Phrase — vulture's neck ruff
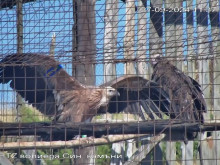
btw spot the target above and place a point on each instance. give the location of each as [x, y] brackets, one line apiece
[108, 93]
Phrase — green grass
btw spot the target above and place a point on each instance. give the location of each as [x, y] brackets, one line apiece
[178, 151]
[30, 114]
[103, 150]
[195, 149]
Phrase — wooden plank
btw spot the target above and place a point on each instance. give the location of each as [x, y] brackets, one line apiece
[110, 39]
[155, 38]
[170, 31]
[79, 142]
[171, 152]
[117, 148]
[210, 149]
[191, 54]
[179, 35]
[142, 67]
[84, 41]
[129, 37]
[187, 153]
[131, 145]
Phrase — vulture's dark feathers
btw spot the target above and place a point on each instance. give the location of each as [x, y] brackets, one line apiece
[187, 100]
[137, 94]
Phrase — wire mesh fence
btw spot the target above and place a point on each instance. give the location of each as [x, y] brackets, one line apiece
[109, 82]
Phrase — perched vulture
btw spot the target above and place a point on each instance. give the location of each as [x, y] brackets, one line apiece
[186, 96]
[42, 81]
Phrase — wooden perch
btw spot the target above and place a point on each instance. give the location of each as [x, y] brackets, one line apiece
[66, 131]
[82, 142]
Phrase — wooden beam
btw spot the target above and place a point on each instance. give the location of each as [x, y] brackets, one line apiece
[142, 67]
[80, 142]
[156, 30]
[84, 41]
[66, 131]
[191, 52]
[129, 67]
[110, 39]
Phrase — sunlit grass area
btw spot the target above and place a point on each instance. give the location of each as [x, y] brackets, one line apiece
[27, 113]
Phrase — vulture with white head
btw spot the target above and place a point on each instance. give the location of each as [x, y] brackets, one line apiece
[185, 93]
[42, 81]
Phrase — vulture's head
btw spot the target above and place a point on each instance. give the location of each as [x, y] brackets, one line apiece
[155, 59]
[110, 92]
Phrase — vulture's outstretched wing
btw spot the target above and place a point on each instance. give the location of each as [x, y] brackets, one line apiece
[37, 78]
[137, 93]
[186, 96]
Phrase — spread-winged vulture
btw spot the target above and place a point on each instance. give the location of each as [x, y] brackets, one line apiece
[42, 81]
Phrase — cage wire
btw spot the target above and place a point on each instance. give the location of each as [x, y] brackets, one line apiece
[97, 42]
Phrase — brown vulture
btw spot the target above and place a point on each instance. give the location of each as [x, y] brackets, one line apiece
[42, 81]
[185, 93]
